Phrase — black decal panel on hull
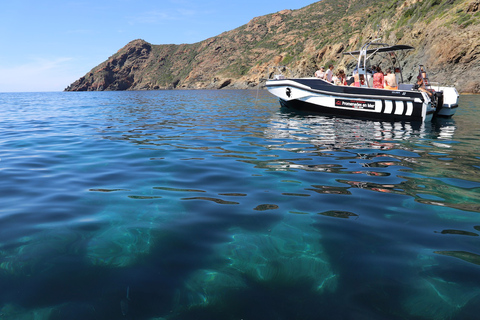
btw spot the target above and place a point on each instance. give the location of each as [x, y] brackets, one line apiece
[355, 104]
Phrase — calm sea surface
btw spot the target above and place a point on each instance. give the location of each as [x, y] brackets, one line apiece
[221, 205]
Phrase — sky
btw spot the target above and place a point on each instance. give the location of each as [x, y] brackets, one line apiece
[46, 45]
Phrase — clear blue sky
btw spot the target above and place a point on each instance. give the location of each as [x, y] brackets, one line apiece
[46, 45]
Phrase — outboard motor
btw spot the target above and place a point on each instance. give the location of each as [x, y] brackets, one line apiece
[438, 101]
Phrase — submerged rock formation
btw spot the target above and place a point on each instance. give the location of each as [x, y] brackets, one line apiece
[445, 34]
[290, 256]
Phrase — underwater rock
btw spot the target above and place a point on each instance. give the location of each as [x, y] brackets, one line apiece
[432, 295]
[205, 287]
[118, 246]
[37, 253]
[435, 298]
[290, 254]
[70, 310]
[285, 256]
[129, 233]
[12, 312]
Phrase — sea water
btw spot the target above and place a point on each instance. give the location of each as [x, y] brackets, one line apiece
[222, 205]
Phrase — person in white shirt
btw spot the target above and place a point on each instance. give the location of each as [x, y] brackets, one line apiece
[320, 73]
[329, 74]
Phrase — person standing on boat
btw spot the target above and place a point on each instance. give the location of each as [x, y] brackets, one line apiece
[320, 73]
[329, 74]
[390, 81]
[378, 78]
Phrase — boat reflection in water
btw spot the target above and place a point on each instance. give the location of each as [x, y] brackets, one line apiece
[443, 128]
[333, 133]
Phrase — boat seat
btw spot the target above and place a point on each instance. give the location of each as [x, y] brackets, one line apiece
[405, 86]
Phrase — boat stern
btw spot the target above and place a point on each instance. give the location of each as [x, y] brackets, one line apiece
[450, 101]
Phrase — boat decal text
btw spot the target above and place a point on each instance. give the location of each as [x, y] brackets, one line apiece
[355, 104]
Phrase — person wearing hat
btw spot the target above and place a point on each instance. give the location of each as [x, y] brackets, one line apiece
[320, 73]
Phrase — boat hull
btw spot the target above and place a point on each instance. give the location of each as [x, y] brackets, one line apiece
[319, 96]
[450, 101]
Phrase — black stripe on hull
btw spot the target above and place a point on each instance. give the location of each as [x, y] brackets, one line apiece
[404, 108]
[323, 87]
[353, 113]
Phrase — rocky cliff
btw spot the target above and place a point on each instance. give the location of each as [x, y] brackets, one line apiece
[445, 33]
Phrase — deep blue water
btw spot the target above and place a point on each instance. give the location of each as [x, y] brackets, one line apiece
[220, 205]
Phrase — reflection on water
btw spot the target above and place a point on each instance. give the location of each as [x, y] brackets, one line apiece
[338, 133]
[378, 147]
[218, 205]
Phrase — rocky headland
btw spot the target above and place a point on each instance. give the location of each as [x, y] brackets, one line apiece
[445, 34]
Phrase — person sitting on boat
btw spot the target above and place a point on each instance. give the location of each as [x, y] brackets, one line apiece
[350, 81]
[335, 78]
[378, 78]
[320, 73]
[420, 86]
[341, 78]
[390, 81]
[356, 79]
[362, 80]
[424, 75]
[329, 74]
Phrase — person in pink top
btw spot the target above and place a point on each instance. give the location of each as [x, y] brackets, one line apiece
[378, 78]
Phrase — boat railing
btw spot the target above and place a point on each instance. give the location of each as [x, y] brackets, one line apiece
[435, 85]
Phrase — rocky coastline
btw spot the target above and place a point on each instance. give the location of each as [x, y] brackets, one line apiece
[445, 34]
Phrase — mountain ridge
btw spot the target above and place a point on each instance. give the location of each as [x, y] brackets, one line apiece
[445, 34]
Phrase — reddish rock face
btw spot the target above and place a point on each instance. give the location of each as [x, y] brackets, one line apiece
[446, 38]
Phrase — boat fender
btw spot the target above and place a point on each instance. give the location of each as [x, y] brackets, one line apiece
[439, 101]
[288, 92]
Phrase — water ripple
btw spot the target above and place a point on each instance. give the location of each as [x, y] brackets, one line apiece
[206, 201]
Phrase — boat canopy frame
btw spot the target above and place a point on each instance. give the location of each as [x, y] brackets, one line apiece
[365, 54]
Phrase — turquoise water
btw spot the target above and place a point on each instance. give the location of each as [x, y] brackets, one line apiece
[221, 205]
